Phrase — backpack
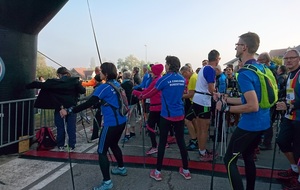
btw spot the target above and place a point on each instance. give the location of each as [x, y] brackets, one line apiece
[45, 139]
[122, 99]
[269, 87]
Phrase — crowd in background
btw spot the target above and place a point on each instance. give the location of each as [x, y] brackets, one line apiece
[200, 99]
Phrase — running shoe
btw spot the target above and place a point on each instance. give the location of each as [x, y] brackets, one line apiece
[118, 171]
[192, 146]
[126, 138]
[185, 175]
[206, 157]
[104, 186]
[152, 151]
[288, 173]
[157, 177]
[294, 184]
[171, 140]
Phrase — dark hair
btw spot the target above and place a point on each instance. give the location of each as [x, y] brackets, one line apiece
[213, 55]
[136, 69]
[63, 71]
[283, 69]
[109, 70]
[230, 66]
[251, 40]
[173, 62]
[97, 78]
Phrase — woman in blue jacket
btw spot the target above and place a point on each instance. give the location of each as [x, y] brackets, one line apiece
[113, 126]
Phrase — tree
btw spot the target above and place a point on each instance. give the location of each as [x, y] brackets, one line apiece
[42, 69]
[129, 63]
[277, 60]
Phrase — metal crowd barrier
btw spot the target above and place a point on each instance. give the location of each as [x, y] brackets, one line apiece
[19, 121]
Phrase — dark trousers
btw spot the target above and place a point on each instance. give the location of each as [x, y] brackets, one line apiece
[242, 142]
[109, 138]
[164, 127]
[70, 120]
[153, 120]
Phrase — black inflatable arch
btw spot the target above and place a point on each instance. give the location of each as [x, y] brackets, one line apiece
[20, 23]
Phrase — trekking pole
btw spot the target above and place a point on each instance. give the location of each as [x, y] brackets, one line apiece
[128, 118]
[214, 149]
[69, 155]
[274, 152]
[143, 135]
[83, 126]
[223, 138]
[95, 119]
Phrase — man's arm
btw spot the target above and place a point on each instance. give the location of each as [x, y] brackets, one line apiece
[234, 101]
[190, 94]
[91, 82]
[211, 88]
[251, 104]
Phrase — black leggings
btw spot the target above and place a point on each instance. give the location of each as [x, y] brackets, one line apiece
[153, 119]
[164, 127]
[111, 137]
[242, 142]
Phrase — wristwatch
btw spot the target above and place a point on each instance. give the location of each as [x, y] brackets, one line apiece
[69, 110]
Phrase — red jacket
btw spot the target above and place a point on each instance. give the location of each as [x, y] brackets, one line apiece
[155, 99]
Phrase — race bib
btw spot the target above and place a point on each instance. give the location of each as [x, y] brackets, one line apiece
[290, 95]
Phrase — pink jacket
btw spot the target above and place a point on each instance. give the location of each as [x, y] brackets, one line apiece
[155, 99]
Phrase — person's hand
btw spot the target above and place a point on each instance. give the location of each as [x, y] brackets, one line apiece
[63, 112]
[216, 96]
[136, 93]
[281, 106]
[221, 104]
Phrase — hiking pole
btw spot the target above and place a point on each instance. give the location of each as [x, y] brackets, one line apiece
[274, 152]
[83, 126]
[69, 155]
[223, 138]
[214, 149]
[143, 124]
[125, 130]
[97, 123]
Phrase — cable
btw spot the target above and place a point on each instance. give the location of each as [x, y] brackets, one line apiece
[94, 32]
[50, 59]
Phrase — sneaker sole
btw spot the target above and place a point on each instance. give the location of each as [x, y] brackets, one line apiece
[149, 153]
[121, 174]
[156, 179]
[185, 176]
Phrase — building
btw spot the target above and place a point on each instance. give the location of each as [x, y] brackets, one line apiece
[280, 52]
[82, 73]
[234, 61]
[273, 53]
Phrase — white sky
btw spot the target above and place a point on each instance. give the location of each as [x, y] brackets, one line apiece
[188, 29]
